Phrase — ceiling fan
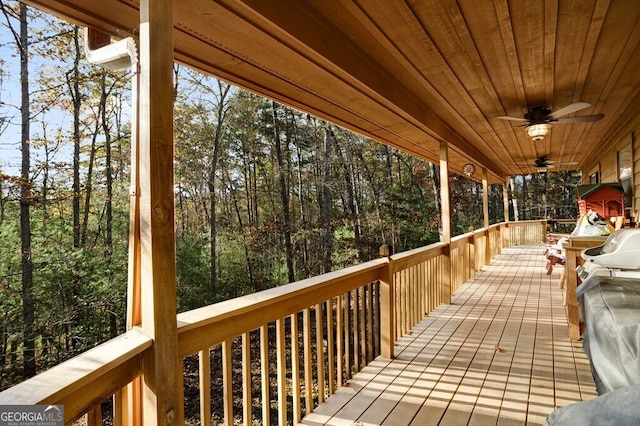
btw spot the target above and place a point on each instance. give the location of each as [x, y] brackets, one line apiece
[540, 118]
[543, 164]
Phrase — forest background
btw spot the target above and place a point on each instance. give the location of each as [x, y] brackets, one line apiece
[265, 194]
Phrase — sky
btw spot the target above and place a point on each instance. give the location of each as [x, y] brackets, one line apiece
[10, 130]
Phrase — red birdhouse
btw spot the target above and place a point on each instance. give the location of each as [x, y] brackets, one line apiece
[606, 199]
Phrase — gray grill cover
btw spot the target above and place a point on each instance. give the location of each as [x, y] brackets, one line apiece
[617, 408]
[611, 310]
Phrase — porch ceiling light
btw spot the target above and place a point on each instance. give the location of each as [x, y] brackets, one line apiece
[537, 132]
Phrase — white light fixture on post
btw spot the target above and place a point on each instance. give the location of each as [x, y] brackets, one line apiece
[537, 132]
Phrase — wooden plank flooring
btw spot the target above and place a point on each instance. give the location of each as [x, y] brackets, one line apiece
[498, 355]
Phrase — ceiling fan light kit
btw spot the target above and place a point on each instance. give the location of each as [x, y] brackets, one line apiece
[539, 119]
[537, 132]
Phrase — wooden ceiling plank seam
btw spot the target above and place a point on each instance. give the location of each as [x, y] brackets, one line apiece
[550, 34]
[365, 19]
[614, 78]
[528, 27]
[317, 63]
[503, 15]
[288, 101]
[627, 124]
[574, 19]
[70, 12]
[376, 31]
[506, 30]
[564, 151]
[454, 80]
[428, 121]
[471, 49]
[597, 21]
[492, 92]
[368, 22]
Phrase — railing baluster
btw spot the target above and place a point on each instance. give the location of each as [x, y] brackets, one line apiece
[363, 333]
[331, 358]
[264, 369]
[370, 340]
[118, 414]
[247, 398]
[320, 353]
[227, 382]
[295, 368]
[397, 312]
[376, 316]
[414, 297]
[348, 364]
[204, 362]
[340, 341]
[282, 372]
[308, 380]
[356, 331]
[94, 416]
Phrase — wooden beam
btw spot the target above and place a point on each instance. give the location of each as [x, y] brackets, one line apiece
[505, 205]
[387, 311]
[485, 214]
[485, 198]
[131, 397]
[444, 193]
[161, 367]
[445, 201]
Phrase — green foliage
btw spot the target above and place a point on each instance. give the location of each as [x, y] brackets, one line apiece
[192, 270]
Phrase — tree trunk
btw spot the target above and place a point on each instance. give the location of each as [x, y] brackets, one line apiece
[435, 182]
[73, 78]
[108, 172]
[523, 205]
[326, 204]
[88, 187]
[211, 181]
[351, 203]
[535, 204]
[301, 197]
[28, 310]
[234, 199]
[514, 199]
[284, 194]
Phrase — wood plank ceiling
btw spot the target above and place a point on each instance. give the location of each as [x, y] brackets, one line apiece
[410, 73]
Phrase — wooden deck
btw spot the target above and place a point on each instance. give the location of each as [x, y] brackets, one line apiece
[499, 354]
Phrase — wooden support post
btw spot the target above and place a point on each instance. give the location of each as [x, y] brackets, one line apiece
[485, 213]
[387, 306]
[505, 200]
[161, 366]
[131, 397]
[446, 221]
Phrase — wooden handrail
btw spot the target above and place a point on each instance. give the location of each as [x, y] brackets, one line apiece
[86, 380]
[214, 324]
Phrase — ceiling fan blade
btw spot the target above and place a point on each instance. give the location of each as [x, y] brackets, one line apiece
[569, 109]
[506, 117]
[581, 119]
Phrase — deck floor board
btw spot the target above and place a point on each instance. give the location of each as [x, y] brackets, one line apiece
[499, 354]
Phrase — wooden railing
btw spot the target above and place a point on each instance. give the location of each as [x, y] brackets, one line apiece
[527, 232]
[312, 335]
[316, 332]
